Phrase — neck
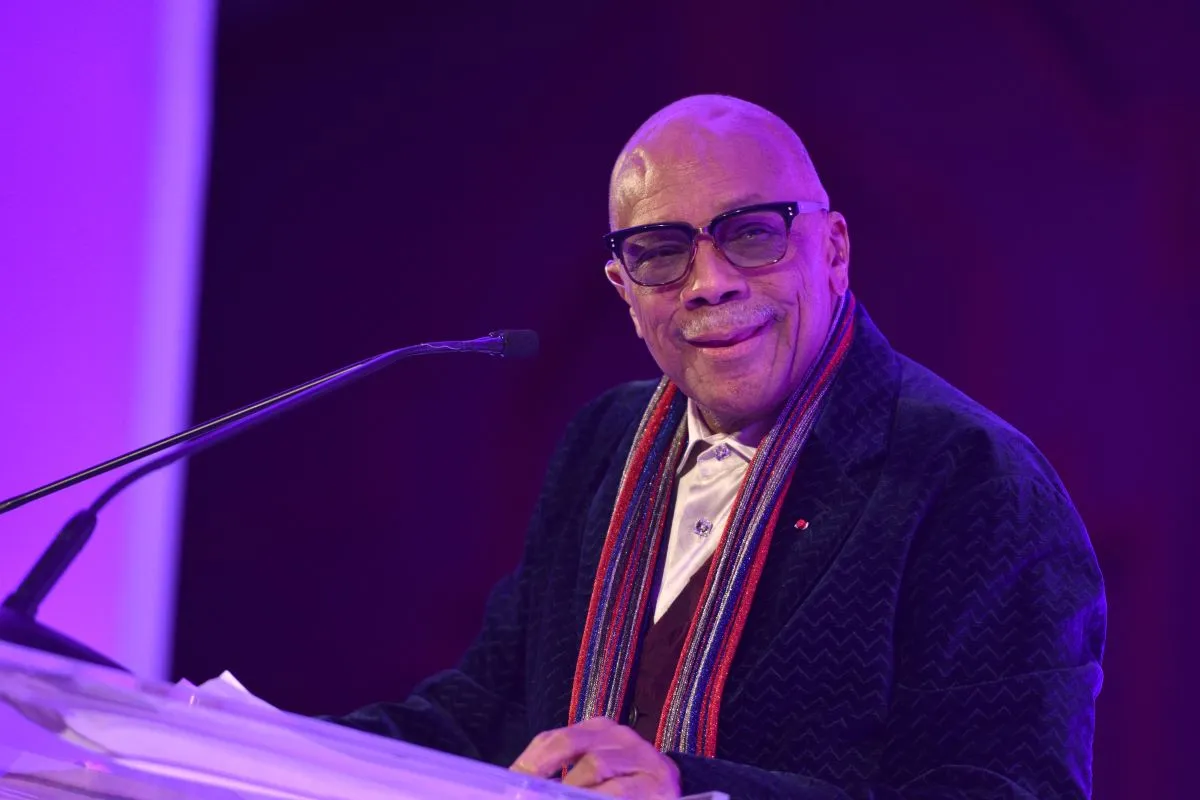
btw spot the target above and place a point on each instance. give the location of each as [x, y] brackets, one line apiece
[748, 431]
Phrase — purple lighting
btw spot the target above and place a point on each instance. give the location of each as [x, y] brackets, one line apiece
[102, 158]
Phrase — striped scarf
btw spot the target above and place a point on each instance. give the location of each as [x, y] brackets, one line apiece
[625, 578]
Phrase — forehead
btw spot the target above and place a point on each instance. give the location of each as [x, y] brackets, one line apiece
[693, 175]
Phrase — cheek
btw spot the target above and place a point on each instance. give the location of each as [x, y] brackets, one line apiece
[810, 288]
[652, 314]
[792, 292]
[804, 286]
[653, 317]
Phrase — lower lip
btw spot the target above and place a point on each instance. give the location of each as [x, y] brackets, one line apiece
[726, 351]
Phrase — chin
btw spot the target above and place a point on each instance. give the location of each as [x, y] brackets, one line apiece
[736, 410]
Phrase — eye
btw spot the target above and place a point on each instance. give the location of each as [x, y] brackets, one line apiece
[656, 250]
[648, 256]
[752, 231]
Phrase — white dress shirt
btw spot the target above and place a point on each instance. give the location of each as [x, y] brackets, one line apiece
[709, 476]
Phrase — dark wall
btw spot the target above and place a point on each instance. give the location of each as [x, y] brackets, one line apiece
[1021, 190]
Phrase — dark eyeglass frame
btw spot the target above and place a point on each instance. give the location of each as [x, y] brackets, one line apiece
[789, 210]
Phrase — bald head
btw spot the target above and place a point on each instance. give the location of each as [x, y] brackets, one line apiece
[691, 133]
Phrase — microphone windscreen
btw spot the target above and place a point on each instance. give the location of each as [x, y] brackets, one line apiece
[519, 344]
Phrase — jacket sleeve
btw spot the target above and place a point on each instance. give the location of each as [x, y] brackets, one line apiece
[475, 709]
[999, 638]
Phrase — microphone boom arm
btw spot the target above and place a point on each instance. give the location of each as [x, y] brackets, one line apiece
[18, 612]
[216, 429]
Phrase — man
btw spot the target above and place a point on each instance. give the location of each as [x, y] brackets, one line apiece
[800, 565]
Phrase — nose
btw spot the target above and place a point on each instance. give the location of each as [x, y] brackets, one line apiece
[713, 280]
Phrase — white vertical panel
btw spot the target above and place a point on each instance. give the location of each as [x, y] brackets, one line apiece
[103, 137]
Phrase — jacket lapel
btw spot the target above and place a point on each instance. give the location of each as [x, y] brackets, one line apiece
[834, 477]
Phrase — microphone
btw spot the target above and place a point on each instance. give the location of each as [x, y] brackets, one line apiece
[18, 624]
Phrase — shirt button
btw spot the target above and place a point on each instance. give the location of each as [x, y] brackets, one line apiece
[633, 716]
[721, 452]
[702, 526]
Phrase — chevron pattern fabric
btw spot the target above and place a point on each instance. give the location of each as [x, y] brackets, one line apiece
[935, 632]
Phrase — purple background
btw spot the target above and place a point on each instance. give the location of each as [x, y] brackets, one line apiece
[1021, 189]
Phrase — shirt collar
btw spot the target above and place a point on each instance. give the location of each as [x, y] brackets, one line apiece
[698, 433]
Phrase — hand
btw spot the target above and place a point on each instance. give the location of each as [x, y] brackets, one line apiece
[609, 758]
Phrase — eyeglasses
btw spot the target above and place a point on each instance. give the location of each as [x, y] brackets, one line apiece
[753, 236]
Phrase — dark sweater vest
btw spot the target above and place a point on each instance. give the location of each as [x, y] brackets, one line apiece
[661, 649]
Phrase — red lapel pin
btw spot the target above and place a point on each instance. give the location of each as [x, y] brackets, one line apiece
[801, 524]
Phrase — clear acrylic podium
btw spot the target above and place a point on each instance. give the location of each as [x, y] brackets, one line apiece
[72, 730]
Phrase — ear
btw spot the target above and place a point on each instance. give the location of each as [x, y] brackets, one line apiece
[616, 276]
[838, 253]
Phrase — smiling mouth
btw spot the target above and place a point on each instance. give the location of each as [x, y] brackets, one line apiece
[725, 339]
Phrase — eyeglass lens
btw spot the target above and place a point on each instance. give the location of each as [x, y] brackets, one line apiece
[749, 239]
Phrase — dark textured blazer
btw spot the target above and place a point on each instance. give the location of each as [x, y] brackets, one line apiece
[935, 632]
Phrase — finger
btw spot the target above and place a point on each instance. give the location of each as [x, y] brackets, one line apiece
[601, 764]
[551, 750]
[600, 723]
[642, 787]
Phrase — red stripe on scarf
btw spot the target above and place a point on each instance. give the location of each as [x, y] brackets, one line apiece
[696, 614]
[636, 463]
[621, 608]
[712, 707]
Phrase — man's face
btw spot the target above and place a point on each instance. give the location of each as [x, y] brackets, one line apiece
[736, 341]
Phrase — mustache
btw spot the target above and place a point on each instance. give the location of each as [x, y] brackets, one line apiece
[719, 319]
